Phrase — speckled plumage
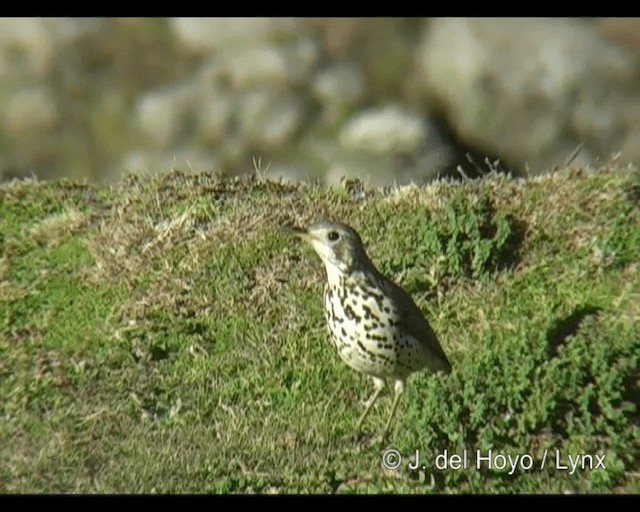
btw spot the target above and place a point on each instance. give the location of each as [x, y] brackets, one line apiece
[375, 326]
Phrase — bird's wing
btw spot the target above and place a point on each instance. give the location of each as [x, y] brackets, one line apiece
[413, 321]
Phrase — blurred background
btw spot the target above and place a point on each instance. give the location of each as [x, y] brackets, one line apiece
[385, 99]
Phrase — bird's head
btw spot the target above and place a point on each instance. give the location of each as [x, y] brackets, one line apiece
[338, 245]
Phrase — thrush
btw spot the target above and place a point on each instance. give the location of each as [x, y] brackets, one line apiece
[375, 326]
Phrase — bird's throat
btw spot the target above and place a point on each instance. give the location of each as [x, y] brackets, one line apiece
[335, 274]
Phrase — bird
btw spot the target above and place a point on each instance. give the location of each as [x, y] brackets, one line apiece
[375, 326]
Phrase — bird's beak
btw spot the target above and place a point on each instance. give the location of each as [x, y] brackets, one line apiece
[295, 231]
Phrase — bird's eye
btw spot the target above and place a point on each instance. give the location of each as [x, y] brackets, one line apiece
[333, 236]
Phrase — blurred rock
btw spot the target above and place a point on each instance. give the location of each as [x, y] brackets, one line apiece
[24, 48]
[338, 88]
[269, 65]
[389, 129]
[531, 90]
[625, 32]
[390, 145]
[213, 114]
[205, 34]
[162, 114]
[31, 109]
[268, 120]
[384, 99]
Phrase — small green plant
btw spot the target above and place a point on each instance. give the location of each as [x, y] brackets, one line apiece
[473, 237]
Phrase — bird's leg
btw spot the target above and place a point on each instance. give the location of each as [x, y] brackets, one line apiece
[378, 385]
[398, 390]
